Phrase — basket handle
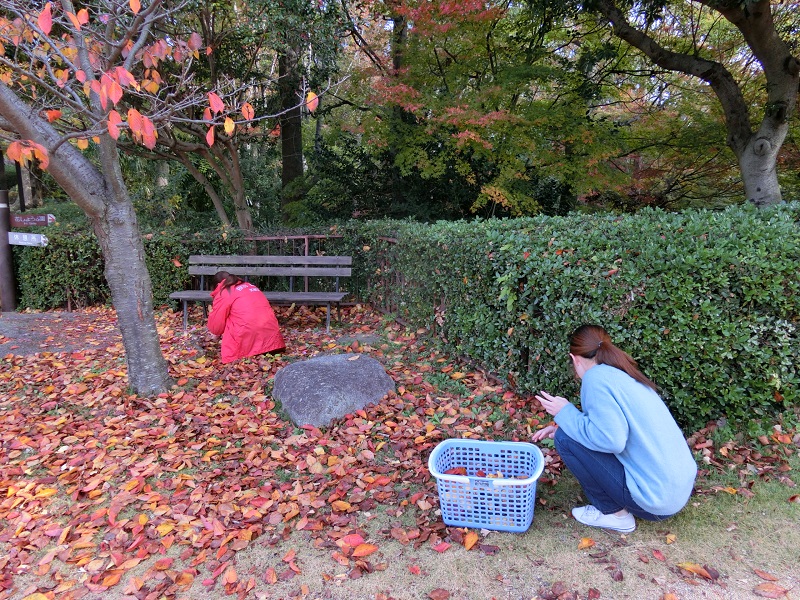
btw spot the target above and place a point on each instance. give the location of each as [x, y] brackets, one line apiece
[454, 478]
[504, 482]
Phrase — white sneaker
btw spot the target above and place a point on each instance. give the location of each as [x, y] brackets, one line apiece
[589, 515]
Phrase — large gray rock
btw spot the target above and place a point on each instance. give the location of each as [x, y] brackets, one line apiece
[322, 389]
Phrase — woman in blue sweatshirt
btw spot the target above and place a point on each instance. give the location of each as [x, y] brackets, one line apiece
[624, 446]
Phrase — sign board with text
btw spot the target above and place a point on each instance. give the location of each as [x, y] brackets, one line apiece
[29, 220]
[16, 238]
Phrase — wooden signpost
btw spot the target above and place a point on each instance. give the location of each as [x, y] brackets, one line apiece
[8, 293]
[8, 301]
[29, 220]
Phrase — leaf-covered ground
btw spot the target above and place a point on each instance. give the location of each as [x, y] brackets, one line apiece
[95, 482]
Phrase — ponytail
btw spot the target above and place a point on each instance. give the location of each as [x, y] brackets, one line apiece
[226, 279]
[592, 341]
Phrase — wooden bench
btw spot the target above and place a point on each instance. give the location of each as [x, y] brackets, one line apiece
[287, 267]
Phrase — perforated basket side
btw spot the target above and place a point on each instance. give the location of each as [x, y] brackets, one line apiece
[475, 501]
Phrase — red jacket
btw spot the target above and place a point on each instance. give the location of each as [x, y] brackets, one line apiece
[245, 320]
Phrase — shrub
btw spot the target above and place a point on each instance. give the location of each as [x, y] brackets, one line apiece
[707, 302]
[68, 272]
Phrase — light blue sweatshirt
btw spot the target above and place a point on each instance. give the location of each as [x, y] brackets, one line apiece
[626, 418]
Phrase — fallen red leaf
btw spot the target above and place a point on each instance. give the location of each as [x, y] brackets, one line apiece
[770, 590]
[456, 471]
[163, 564]
[353, 540]
[765, 575]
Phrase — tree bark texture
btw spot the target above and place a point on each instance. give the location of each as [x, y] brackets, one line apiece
[104, 198]
[756, 149]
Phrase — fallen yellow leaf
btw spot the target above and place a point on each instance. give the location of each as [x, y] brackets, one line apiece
[363, 550]
[470, 540]
[694, 568]
[585, 543]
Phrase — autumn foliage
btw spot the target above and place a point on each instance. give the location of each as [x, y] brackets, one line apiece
[97, 483]
[121, 82]
[191, 477]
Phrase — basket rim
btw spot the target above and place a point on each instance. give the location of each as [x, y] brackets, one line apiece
[444, 444]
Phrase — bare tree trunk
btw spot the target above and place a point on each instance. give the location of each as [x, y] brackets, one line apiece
[212, 193]
[758, 163]
[291, 128]
[224, 159]
[117, 231]
[162, 179]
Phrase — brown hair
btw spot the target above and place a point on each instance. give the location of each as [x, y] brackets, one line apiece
[592, 341]
[227, 279]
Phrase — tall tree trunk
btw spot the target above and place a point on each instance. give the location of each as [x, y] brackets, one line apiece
[291, 128]
[117, 230]
[104, 198]
[162, 178]
[198, 175]
[758, 162]
[400, 120]
[224, 159]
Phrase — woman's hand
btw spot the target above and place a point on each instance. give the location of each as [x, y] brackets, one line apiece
[552, 404]
[544, 432]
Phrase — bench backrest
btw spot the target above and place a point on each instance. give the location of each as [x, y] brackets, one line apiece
[268, 259]
[271, 266]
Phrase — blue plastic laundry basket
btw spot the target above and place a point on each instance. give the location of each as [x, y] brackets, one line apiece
[504, 501]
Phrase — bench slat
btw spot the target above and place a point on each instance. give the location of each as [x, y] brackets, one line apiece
[272, 271]
[277, 297]
[268, 259]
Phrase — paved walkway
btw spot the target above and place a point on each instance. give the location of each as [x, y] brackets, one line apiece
[29, 333]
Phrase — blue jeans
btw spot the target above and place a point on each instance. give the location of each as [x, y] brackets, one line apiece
[601, 476]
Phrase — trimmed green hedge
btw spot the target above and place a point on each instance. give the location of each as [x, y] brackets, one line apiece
[69, 270]
[707, 302]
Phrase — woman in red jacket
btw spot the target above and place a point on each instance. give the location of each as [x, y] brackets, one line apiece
[243, 317]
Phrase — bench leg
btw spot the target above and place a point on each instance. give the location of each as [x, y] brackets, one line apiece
[185, 316]
[328, 318]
